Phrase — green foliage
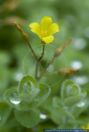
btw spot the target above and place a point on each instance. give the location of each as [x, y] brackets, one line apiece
[4, 112]
[28, 89]
[28, 118]
[59, 96]
[71, 103]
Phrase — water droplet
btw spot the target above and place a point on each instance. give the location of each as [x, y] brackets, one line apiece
[14, 99]
[18, 76]
[76, 65]
[81, 104]
[79, 43]
[43, 116]
[81, 80]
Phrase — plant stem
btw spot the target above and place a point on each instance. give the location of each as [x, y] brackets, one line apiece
[38, 62]
[26, 38]
[42, 54]
[30, 47]
[59, 51]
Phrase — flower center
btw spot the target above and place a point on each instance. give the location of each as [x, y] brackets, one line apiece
[43, 33]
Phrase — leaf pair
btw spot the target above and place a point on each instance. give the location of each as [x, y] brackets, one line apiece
[26, 100]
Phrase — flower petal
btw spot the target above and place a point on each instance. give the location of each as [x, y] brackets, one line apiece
[48, 39]
[35, 27]
[54, 28]
[46, 21]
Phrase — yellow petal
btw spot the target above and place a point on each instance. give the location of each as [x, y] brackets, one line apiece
[35, 27]
[53, 28]
[48, 39]
[46, 21]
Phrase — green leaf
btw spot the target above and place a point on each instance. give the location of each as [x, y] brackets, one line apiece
[12, 97]
[72, 100]
[29, 118]
[77, 111]
[59, 113]
[4, 112]
[69, 88]
[28, 89]
[44, 92]
[32, 93]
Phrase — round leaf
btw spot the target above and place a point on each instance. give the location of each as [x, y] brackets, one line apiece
[4, 112]
[69, 88]
[42, 96]
[29, 118]
[28, 89]
[12, 97]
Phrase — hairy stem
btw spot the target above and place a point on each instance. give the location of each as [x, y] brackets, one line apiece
[38, 62]
[26, 38]
[30, 47]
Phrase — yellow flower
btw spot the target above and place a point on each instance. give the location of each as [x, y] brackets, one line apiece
[45, 29]
[86, 126]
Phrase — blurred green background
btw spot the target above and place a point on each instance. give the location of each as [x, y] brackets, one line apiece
[15, 60]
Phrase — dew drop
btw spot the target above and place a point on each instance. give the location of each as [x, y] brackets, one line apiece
[76, 65]
[43, 116]
[81, 104]
[18, 76]
[15, 101]
[81, 80]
